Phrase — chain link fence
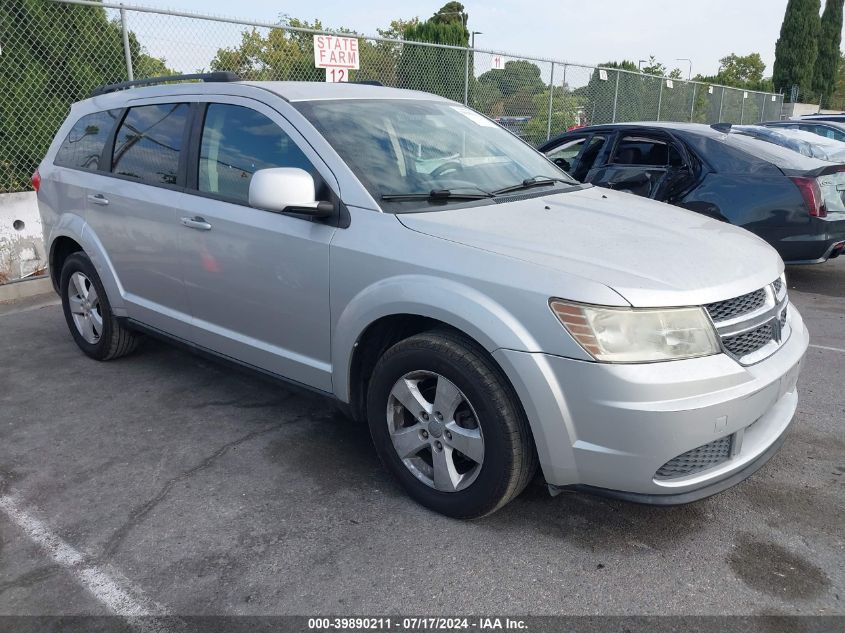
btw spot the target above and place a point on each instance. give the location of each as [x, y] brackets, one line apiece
[88, 44]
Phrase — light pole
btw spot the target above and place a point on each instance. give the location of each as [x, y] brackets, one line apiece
[640, 64]
[473, 34]
[684, 59]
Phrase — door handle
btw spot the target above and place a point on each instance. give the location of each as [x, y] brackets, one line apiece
[98, 198]
[196, 222]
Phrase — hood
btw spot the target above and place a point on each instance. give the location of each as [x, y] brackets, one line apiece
[653, 254]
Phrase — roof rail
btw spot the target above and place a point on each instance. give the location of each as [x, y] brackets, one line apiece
[220, 76]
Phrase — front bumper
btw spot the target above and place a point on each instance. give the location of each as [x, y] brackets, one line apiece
[613, 426]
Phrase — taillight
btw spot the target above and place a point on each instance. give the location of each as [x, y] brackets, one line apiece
[36, 181]
[812, 196]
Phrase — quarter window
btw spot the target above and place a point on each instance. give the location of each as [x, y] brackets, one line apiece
[85, 141]
[149, 141]
[237, 142]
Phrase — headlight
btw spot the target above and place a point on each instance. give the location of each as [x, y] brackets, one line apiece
[629, 335]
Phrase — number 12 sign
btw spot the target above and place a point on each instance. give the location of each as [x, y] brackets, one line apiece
[338, 55]
[335, 75]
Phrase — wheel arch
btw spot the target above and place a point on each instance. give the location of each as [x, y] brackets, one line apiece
[72, 234]
[61, 248]
[395, 309]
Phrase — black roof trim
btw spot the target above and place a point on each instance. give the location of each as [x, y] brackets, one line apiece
[222, 76]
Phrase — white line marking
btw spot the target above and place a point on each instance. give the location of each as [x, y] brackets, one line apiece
[830, 349]
[119, 597]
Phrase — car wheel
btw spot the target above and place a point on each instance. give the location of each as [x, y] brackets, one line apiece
[88, 313]
[448, 425]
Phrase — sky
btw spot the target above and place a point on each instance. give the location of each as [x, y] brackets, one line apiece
[587, 31]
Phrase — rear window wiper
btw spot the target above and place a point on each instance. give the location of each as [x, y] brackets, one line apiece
[528, 183]
[436, 194]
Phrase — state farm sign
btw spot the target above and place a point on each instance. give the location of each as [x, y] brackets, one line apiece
[331, 51]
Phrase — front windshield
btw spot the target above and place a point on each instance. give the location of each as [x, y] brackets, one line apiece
[401, 147]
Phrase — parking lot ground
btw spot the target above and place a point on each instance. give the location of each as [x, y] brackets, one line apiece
[166, 483]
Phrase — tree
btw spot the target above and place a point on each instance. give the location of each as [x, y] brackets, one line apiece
[53, 55]
[827, 60]
[837, 99]
[565, 114]
[517, 76]
[797, 47]
[451, 13]
[741, 70]
[282, 55]
[440, 71]
[656, 68]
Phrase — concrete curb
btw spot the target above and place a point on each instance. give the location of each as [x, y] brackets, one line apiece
[17, 290]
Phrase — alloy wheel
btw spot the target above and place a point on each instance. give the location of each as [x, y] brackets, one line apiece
[435, 431]
[85, 307]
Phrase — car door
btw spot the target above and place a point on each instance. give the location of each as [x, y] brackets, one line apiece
[132, 211]
[577, 154]
[257, 281]
[653, 165]
[564, 152]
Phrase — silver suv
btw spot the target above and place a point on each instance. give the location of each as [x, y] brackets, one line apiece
[400, 253]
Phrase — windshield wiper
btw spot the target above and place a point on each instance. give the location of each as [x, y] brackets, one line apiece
[534, 181]
[437, 194]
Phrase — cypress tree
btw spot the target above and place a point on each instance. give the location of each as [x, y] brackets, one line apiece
[797, 47]
[827, 62]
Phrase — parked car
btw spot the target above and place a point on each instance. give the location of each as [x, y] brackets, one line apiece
[484, 315]
[794, 202]
[829, 129]
[836, 116]
[806, 143]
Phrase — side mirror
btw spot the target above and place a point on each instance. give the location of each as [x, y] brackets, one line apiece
[286, 189]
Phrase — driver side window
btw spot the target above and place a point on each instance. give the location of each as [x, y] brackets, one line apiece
[237, 142]
[566, 152]
[577, 156]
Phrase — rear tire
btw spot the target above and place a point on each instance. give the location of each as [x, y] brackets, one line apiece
[88, 313]
[441, 401]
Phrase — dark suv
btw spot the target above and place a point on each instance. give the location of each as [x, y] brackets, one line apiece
[794, 202]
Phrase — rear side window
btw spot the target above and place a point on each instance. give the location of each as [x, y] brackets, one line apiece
[237, 142]
[85, 141]
[149, 141]
[637, 150]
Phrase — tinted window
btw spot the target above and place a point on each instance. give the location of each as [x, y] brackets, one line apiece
[149, 141]
[635, 150]
[84, 143]
[237, 142]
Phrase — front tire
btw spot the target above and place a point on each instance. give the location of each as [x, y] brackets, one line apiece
[88, 313]
[447, 424]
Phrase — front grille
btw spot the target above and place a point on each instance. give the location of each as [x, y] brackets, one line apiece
[697, 459]
[778, 286]
[783, 319]
[749, 342]
[731, 308]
